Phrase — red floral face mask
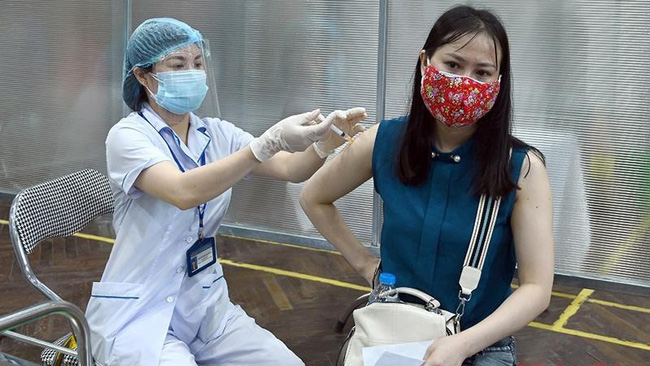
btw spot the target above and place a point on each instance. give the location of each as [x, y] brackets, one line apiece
[456, 100]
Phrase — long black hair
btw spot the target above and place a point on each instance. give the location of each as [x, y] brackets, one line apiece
[493, 133]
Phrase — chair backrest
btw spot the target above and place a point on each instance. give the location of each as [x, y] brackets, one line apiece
[59, 207]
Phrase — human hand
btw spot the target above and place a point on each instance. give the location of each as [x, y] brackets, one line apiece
[347, 121]
[446, 351]
[294, 133]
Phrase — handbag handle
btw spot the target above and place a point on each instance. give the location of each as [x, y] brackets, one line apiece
[430, 302]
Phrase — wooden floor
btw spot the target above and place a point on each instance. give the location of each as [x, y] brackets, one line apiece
[293, 292]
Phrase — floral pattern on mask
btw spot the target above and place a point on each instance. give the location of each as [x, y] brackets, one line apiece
[457, 100]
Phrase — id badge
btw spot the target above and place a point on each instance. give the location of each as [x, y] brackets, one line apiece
[201, 255]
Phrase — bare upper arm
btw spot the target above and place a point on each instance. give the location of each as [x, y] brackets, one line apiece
[532, 224]
[348, 170]
[162, 181]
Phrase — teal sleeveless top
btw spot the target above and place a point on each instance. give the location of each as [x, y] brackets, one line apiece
[427, 228]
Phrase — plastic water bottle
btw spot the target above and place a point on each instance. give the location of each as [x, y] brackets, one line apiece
[386, 283]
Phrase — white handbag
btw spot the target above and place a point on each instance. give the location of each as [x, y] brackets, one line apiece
[383, 323]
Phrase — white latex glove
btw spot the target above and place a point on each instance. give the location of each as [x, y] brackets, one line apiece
[347, 121]
[293, 133]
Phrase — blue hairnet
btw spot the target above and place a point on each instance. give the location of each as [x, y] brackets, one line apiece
[152, 40]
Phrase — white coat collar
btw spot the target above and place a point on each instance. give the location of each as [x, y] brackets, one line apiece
[197, 137]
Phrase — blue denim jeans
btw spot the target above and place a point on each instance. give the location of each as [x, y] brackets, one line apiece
[502, 353]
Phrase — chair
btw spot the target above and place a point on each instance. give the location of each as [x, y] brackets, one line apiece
[56, 208]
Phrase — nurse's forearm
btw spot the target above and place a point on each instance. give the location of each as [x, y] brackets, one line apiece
[194, 187]
[207, 182]
[293, 167]
[302, 165]
[329, 222]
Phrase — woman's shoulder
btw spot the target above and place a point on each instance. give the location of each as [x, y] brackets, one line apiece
[227, 137]
[525, 157]
[396, 120]
[132, 123]
[222, 127]
[386, 142]
[394, 123]
[390, 130]
[132, 119]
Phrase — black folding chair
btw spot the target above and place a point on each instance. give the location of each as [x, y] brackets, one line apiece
[56, 208]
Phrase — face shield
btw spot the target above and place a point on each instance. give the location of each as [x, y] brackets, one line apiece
[210, 106]
[186, 81]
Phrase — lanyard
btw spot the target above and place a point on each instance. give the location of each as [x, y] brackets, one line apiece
[200, 208]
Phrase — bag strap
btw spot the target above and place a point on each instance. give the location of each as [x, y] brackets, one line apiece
[479, 243]
[486, 217]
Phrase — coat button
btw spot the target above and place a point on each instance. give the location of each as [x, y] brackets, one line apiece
[180, 269]
[455, 158]
[169, 299]
[189, 240]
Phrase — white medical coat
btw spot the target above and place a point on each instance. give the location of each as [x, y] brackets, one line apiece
[145, 289]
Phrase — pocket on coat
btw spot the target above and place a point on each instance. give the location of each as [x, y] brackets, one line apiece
[111, 306]
[116, 290]
[211, 280]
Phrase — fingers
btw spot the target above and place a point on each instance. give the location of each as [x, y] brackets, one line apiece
[308, 117]
[359, 118]
[334, 116]
[354, 116]
[339, 115]
[356, 126]
[316, 120]
[318, 126]
[317, 132]
[355, 112]
[358, 129]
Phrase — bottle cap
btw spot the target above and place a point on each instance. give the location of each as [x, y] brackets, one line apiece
[387, 278]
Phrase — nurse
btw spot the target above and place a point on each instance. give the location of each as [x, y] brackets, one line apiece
[162, 299]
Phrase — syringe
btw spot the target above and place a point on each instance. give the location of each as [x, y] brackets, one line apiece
[341, 133]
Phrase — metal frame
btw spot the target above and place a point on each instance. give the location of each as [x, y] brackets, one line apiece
[36, 312]
[56, 305]
[382, 51]
[21, 256]
[128, 28]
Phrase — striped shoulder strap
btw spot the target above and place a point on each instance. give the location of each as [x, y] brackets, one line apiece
[486, 217]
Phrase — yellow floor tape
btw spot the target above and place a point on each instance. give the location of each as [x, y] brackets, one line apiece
[572, 309]
[299, 275]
